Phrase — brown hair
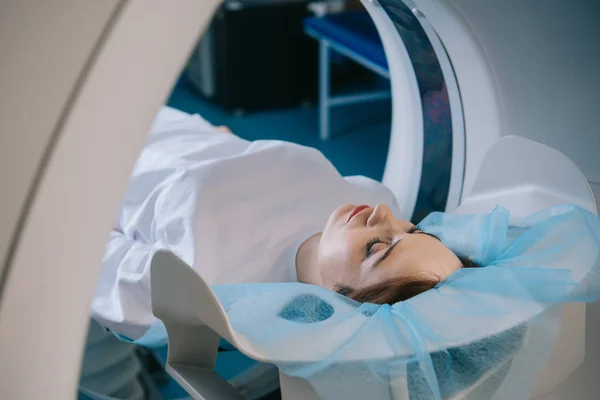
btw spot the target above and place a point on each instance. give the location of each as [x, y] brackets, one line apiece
[395, 290]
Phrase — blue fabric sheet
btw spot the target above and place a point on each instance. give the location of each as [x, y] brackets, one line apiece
[490, 329]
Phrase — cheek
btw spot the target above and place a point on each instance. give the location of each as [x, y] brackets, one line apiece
[337, 263]
[336, 274]
[335, 246]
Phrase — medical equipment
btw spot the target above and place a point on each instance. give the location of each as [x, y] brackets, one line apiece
[76, 105]
[510, 317]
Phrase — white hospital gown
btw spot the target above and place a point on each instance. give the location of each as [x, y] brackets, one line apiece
[234, 210]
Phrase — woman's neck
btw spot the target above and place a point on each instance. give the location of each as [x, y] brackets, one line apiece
[306, 260]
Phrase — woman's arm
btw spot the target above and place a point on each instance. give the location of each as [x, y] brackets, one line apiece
[157, 214]
[122, 299]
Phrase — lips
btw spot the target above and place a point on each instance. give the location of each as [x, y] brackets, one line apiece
[356, 211]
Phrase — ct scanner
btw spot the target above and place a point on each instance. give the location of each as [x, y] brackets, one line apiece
[82, 80]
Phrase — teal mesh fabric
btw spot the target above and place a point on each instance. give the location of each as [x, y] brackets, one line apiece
[487, 332]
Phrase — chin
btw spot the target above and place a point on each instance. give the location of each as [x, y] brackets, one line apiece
[341, 213]
[337, 219]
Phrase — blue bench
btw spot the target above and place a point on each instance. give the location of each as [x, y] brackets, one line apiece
[352, 34]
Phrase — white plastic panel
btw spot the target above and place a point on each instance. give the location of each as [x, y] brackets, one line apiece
[35, 39]
[546, 67]
[458, 127]
[481, 105]
[524, 177]
[44, 304]
[402, 173]
[524, 68]
[429, 71]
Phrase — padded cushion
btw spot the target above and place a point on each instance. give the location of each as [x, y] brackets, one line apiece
[353, 30]
[307, 308]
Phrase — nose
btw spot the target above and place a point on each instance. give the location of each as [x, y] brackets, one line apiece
[380, 214]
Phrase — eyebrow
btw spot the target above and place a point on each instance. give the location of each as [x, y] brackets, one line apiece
[391, 248]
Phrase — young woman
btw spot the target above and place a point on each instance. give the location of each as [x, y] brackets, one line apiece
[264, 211]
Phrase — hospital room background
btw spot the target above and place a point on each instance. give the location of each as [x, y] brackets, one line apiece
[246, 96]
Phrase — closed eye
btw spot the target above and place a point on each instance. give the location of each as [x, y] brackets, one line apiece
[386, 254]
[372, 246]
[378, 243]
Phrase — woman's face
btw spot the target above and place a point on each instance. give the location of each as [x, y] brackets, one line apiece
[363, 245]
